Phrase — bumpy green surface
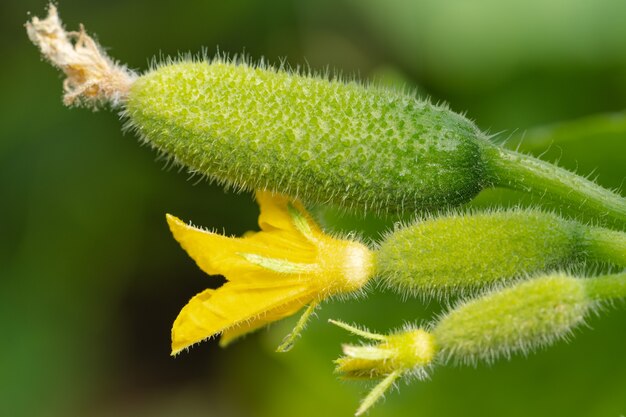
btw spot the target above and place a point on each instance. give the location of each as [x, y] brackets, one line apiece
[517, 319]
[323, 141]
[459, 252]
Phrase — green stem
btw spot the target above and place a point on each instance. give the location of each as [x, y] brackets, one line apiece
[290, 339]
[513, 170]
[377, 392]
[606, 287]
[606, 245]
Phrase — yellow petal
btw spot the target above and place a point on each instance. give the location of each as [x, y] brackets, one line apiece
[217, 254]
[229, 335]
[213, 311]
[283, 245]
[220, 255]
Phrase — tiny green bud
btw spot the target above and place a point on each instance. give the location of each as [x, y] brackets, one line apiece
[517, 319]
[406, 353]
[456, 253]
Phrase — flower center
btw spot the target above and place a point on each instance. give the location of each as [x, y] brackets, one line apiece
[346, 265]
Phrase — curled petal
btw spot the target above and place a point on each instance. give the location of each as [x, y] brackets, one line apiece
[276, 215]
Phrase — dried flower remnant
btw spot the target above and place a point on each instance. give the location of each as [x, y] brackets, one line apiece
[93, 78]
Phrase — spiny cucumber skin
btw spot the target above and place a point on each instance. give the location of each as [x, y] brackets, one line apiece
[323, 141]
[514, 320]
[456, 253]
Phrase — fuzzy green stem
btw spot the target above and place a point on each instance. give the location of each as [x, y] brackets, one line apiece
[290, 339]
[606, 287]
[525, 173]
[378, 391]
[606, 245]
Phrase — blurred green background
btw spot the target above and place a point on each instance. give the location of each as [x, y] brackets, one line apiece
[91, 280]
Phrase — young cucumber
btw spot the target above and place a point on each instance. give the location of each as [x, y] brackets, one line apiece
[324, 141]
[328, 141]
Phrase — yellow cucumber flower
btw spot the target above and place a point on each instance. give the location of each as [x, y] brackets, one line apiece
[271, 274]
